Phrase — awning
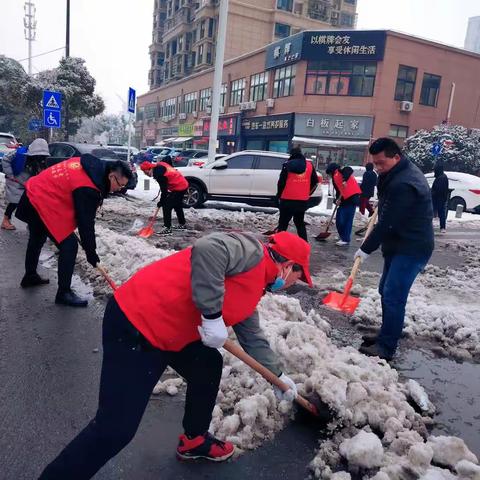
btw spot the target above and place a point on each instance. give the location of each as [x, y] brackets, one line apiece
[181, 139]
[160, 144]
[168, 140]
[330, 143]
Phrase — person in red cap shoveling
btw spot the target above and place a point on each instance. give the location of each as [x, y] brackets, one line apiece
[176, 312]
[173, 186]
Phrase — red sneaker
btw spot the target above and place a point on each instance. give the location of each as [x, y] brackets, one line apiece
[204, 446]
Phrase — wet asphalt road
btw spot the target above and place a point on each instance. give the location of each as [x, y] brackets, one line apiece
[49, 384]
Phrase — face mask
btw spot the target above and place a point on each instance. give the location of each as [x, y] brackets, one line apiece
[278, 284]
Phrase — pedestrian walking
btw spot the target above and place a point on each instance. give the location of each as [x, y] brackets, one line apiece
[369, 182]
[347, 197]
[440, 194]
[173, 186]
[404, 231]
[18, 167]
[56, 202]
[297, 181]
[176, 312]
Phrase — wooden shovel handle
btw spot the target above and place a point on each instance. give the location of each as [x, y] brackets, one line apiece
[269, 376]
[107, 277]
[152, 221]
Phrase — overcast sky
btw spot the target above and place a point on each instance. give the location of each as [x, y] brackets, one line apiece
[113, 35]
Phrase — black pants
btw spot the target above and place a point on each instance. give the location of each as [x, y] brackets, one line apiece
[174, 201]
[38, 234]
[295, 209]
[131, 368]
[10, 209]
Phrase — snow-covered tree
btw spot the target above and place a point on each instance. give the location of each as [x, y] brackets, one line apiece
[103, 129]
[460, 149]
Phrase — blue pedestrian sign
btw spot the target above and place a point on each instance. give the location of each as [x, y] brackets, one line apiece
[52, 106]
[436, 149]
[131, 100]
[34, 124]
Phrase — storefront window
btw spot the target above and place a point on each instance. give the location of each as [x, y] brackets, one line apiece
[254, 145]
[258, 86]
[237, 91]
[278, 146]
[405, 83]
[284, 82]
[340, 78]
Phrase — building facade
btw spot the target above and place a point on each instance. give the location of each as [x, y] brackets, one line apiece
[184, 31]
[472, 38]
[328, 91]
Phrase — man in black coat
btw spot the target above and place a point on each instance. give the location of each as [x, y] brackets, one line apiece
[369, 182]
[404, 231]
[440, 195]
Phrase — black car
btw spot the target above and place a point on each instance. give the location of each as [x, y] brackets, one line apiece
[182, 158]
[60, 151]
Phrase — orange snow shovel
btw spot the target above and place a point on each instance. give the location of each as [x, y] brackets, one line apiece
[107, 277]
[147, 232]
[343, 301]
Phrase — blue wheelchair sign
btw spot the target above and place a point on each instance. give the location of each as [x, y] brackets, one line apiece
[52, 118]
[436, 149]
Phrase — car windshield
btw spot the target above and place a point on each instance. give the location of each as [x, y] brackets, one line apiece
[104, 153]
[6, 139]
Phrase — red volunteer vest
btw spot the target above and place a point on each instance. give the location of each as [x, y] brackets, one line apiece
[298, 185]
[158, 299]
[349, 189]
[176, 181]
[50, 192]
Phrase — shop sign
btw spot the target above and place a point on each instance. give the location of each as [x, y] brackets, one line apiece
[267, 125]
[366, 45]
[333, 126]
[198, 128]
[185, 130]
[227, 126]
[169, 131]
[149, 133]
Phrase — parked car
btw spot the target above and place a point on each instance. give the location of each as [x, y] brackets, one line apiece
[170, 151]
[247, 177]
[465, 190]
[60, 151]
[122, 151]
[183, 157]
[7, 143]
[200, 162]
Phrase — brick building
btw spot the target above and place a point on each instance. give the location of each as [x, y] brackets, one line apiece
[329, 91]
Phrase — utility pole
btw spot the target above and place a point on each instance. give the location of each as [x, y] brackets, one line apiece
[30, 29]
[67, 54]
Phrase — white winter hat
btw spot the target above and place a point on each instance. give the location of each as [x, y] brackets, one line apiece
[38, 147]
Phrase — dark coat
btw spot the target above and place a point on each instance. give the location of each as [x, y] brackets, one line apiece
[440, 186]
[405, 213]
[369, 182]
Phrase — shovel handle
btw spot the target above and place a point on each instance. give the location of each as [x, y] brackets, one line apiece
[331, 218]
[107, 277]
[152, 221]
[269, 376]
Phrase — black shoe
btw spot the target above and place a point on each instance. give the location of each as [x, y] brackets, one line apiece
[375, 351]
[180, 227]
[33, 280]
[70, 299]
[369, 339]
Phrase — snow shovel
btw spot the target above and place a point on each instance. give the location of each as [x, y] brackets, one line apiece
[344, 302]
[107, 277]
[324, 235]
[270, 377]
[147, 232]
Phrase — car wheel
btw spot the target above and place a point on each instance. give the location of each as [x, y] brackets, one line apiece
[455, 202]
[195, 196]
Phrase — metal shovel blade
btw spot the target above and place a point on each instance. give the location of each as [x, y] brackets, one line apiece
[341, 302]
[322, 236]
[146, 232]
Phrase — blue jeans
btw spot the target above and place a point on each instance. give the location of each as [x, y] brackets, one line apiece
[399, 273]
[440, 209]
[344, 221]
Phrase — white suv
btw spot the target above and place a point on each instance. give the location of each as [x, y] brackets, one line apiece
[249, 177]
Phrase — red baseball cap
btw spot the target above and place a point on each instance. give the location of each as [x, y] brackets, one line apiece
[145, 166]
[293, 248]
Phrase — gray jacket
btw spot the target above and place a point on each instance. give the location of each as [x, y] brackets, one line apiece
[220, 255]
[14, 186]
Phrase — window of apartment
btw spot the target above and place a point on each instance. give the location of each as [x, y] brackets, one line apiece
[340, 78]
[151, 110]
[258, 86]
[223, 94]
[430, 89]
[139, 114]
[211, 27]
[405, 83]
[347, 20]
[282, 30]
[351, 2]
[160, 58]
[170, 109]
[200, 54]
[298, 8]
[205, 96]
[190, 102]
[285, 5]
[161, 110]
[237, 91]
[202, 28]
[399, 131]
[209, 53]
[284, 81]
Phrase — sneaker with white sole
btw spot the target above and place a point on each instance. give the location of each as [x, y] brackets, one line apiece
[204, 446]
[180, 227]
[165, 231]
[341, 243]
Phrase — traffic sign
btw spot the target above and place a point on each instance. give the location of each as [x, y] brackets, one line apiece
[52, 118]
[52, 100]
[34, 124]
[436, 149]
[131, 100]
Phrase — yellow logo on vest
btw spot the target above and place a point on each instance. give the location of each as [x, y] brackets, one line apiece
[74, 165]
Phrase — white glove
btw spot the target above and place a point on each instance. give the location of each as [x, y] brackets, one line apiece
[213, 332]
[361, 254]
[291, 394]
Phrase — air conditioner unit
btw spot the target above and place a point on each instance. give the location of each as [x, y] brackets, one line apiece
[406, 106]
[221, 109]
[182, 116]
[243, 106]
[194, 114]
[270, 102]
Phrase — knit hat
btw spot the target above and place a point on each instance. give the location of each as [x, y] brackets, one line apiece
[38, 147]
[146, 166]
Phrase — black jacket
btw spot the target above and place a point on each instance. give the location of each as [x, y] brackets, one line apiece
[440, 185]
[369, 182]
[404, 213]
[295, 164]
